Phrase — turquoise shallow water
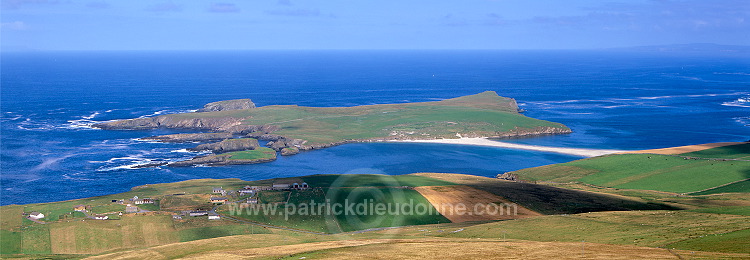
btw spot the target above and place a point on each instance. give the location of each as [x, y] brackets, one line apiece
[611, 101]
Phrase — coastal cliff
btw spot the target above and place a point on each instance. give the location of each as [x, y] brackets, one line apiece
[176, 121]
[291, 129]
[172, 121]
[181, 138]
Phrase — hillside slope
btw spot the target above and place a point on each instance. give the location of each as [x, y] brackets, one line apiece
[721, 169]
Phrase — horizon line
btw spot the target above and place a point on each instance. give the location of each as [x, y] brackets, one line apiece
[4, 50]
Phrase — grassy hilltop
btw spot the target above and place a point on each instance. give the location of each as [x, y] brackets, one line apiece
[582, 202]
[484, 114]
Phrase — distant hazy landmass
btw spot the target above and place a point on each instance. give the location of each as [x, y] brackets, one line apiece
[690, 48]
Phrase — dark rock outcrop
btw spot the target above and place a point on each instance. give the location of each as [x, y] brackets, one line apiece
[229, 145]
[236, 104]
[265, 136]
[282, 143]
[289, 151]
[508, 176]
[199, 137]
[251, 129]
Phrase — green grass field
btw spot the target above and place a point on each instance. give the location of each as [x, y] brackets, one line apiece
[10, 242]
[740, 151]
[644, 172]
[108, 208]
[741, 186]
[259, 153]
[732, 242]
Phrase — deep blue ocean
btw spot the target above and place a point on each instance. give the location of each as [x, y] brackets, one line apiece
[612, 100]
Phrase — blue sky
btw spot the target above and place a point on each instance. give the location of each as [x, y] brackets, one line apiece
[359, 24]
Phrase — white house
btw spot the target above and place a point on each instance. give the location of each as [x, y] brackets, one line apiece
[245, 192]
[213, 217]
[143, 201]
[101, 217]
[36, 215]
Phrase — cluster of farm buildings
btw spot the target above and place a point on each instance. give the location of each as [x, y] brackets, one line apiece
[130, 204]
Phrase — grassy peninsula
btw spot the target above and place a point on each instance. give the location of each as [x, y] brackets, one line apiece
[296, 128]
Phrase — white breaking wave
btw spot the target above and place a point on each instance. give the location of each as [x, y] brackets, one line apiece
[744, 121]
[91, 116]
[154, 114]
[732, 73]
[740, 102]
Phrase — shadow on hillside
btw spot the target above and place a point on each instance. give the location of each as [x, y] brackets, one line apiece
[551, 200]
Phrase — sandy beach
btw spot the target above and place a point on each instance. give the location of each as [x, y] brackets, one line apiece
[583, 152]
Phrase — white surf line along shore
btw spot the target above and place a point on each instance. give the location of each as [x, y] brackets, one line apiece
[583, 152]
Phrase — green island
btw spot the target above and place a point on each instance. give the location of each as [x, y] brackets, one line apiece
[291, 129]
[640, 205]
